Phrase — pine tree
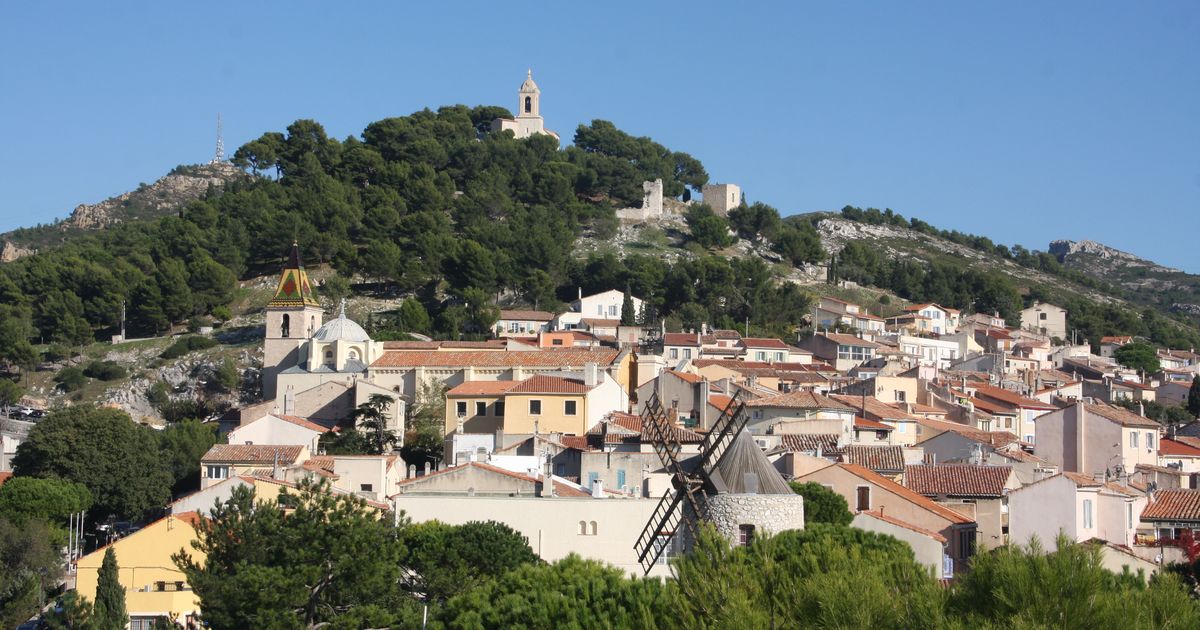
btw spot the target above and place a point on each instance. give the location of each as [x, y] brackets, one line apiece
[109, 609]
[1193, 399]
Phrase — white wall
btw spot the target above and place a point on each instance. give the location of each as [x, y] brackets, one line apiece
[272, 430]
[550, 524]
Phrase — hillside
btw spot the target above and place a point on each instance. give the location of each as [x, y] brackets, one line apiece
[432, 222]
[164, 197]
[1143, 281]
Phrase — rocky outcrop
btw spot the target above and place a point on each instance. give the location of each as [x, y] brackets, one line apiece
[10, 252]
[1064, 250]
[181, 186]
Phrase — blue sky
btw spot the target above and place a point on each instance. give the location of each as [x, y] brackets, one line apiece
[1025, 122]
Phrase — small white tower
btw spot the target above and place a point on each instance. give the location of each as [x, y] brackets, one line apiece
[528, 98]
[529, 112]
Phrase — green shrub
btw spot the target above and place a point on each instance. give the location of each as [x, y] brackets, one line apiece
[70, 379]
[105, 371]
[184, 345]
[57, 352]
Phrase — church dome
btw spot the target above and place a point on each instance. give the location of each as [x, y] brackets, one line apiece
[341, 329]
[529, 85]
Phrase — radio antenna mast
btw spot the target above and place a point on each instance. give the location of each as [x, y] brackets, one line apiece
[220, 153]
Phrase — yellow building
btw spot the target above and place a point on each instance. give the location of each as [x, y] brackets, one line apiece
[558, 405]
[154, 587]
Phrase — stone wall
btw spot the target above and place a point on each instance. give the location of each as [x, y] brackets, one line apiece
[652, 203]
[766, 512]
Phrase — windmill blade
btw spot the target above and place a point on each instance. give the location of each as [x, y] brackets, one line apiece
[724, 431]
[662, 527]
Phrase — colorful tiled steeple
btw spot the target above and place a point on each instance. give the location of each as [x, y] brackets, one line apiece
[294, 288]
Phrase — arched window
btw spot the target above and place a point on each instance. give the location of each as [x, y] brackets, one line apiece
[528, 104]
[583, 528]
[593, 528]
[285, 328]
[352, 355]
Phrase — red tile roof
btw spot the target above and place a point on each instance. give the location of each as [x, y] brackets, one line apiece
[252, 453]
[543, 384]
[306, 423]
[1175, 504]
[482, 388]
[1011, 398]
[899, 490]
[685, 376]
[899, 523]
[810, 442]
[1177, 448]
[1121, 416]
[532, 316]
[5, 476]
[530, 358]
[871, 425]
[681, 339]
[799, 400]
[960, 480]
[849, 340]
[873, 408]
[720, 401]
[880, 459]
[764, 342]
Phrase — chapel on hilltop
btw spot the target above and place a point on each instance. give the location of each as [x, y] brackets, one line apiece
[529, 118]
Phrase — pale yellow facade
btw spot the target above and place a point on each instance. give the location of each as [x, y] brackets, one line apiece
[154, 587]
[553, 416]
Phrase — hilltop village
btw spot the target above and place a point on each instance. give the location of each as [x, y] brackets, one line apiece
[594, 433]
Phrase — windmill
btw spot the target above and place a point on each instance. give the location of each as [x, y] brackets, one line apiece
[691, 481]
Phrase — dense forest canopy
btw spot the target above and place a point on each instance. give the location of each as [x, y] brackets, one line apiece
[436, 206]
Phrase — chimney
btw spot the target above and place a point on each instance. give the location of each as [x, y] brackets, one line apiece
[591, 374]
[275, 467]
[598, 489]
[426, 469]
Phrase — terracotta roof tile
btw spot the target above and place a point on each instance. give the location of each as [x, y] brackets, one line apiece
[482, 388]
[876, 458]
[306, 423]
[530, 315]
[1175, 504]
[681, 339]
[962, 480]
[1177, 448]
[810, 442]
[799, 400]
[1011, 398]
[849, 340]
[543, 384]
[252, 453]
[1121, 416]
[895, 488]
[871, 425]
[684, 376]
[533, 358]
[873, 408]
[765, 342]
[899, 523]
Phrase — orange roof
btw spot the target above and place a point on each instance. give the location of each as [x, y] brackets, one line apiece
[849, 340]
[685, 376]
[899, 523]
[764, 342]
[1121, 416]
[531, 358]
[905, 493]
[1175, 504]
[1173, 448]
[871, 425]
[5, 476]
[1011, 398]
[720, 401]
[963, 480]
[681, 339]
[534, 316]
[304, 422]
[551, 385]
[252, 453]
[482, 388]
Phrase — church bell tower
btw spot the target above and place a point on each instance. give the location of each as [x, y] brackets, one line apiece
[529, 95]
[293, 315]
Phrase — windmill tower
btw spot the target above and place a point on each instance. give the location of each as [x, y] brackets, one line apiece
[730, 484]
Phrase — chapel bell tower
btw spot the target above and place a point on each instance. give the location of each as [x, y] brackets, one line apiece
[293, 315]
[529, 95]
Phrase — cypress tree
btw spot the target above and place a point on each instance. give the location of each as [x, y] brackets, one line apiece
[1193, 399]
[109, 610]
[628, 313]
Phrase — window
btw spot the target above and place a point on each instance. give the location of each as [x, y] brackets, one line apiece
[535, 407]
[966, 543]
[593, 524]
[620, 477]
[480, 408]
[329, 357]
[1133, 440]
[863, 503]
[498, 408]
[1149, 440]
[612, 310]
[1041, 316]
[285, 327]
[745, 535]
[583, 528]
[216, 472]
[141, 623]
[352, 355]
[760, 356]
[674, 353]
[687, 353]
[556, 342]
[528, 104]
[460, 408]
[778, 356]
[365, 487]
[560, 469]
[569, 407]
[513, 327]
[1087, 513]
[901, 395]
